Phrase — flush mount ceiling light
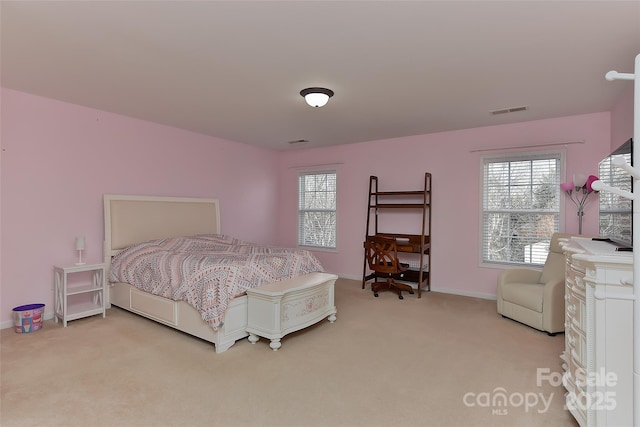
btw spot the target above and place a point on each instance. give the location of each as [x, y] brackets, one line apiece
[316, 96]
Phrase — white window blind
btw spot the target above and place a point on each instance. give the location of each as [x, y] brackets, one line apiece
[520, 207]
[616, 212]
[317, 209]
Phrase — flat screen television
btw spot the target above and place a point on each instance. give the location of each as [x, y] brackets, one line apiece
[616, 212]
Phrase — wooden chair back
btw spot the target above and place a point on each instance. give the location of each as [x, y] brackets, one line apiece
[382, 255]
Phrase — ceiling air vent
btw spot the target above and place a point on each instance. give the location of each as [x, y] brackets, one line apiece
[509, 110]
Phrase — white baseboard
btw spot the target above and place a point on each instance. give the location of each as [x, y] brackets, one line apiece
[441, 290]
[359, 278]
[464, 293]
[48, 316]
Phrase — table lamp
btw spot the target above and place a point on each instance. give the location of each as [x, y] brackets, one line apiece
[80, 248]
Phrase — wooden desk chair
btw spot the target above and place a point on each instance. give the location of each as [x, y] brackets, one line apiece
[382, 256]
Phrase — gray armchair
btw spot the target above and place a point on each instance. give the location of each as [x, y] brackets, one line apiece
[534, 297]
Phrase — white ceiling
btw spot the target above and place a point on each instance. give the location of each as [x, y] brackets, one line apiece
[234, 69]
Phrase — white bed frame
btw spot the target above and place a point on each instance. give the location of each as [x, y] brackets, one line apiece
[135, 219]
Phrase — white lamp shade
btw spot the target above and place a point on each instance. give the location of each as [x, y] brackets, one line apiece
[316, 96]
[317, 99]
[579, 180]
[80, 243]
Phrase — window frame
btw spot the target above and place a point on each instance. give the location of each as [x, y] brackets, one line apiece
[560, 154]
[300, 210]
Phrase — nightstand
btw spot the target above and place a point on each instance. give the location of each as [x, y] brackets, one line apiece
[80, 298]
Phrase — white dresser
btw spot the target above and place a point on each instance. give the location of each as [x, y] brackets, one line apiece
[598, 356]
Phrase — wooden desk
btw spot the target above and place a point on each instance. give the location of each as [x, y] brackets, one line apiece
[409, 243]
[387, 203]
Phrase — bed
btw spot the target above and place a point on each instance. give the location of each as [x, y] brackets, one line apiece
[131, 220]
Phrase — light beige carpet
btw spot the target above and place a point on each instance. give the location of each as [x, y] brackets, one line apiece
[442, 360]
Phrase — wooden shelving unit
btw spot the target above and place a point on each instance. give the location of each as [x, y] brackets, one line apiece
[419, 243]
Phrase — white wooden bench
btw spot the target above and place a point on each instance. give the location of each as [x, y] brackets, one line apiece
[287, 306]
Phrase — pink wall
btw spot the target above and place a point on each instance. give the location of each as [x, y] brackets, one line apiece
[59, 159]
[401, 163]
[622, 118]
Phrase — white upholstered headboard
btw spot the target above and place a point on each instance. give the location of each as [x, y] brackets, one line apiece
[135, 219]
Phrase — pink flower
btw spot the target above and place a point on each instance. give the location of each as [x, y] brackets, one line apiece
[590, 181]
[566, 186]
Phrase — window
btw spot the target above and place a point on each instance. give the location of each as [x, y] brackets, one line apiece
[616, 212]
[520, 207]
[317, 209]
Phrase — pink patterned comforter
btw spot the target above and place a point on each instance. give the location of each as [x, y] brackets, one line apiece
[207, 271]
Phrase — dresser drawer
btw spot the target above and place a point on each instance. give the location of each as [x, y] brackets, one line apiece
[570, 276]
[576, 398]
[576, 347]
[568, 366]
[579, 285]
[576, 310]
[572, 403]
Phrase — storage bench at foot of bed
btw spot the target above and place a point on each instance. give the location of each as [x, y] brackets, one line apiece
[280, 308]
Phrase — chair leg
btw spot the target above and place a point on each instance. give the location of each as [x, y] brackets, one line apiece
[404, 287]
[390, 285]
[394, 286]
[379, 286]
